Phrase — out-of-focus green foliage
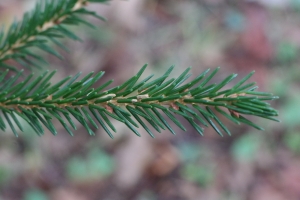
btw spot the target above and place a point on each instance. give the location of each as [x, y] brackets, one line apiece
[287, 52]
[246, 147]
[96, 166]
[35, 194]
[292, 141]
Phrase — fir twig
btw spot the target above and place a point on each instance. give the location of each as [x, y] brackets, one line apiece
[38, 102]
[46, 22]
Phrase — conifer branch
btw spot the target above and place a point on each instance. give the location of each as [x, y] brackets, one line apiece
[46, 22]
[133, 103]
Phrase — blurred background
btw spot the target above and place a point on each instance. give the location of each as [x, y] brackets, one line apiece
[238, 35]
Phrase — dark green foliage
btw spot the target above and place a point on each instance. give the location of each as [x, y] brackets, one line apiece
[149, 103]
[46, 22]
[38, 102]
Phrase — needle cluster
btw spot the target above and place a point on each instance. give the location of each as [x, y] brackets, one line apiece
[46, 23]
[149, 103]
[145, 103]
